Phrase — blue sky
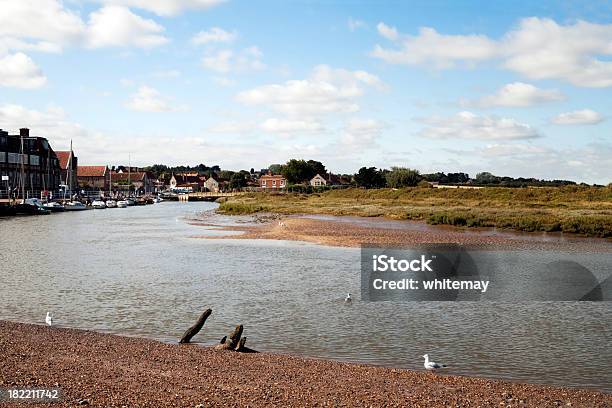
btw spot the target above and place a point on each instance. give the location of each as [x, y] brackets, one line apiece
[515, 88]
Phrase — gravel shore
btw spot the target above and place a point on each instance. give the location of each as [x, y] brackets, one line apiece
[355, 231]
[112, 371]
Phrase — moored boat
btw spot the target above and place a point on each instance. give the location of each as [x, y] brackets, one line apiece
[75, 206]
[98, 204]
[111, 204]
[7, 210]
[130, 202]
[122, 204]
[53, 206]
[31, 206]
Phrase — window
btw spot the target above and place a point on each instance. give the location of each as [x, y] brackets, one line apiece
[2, 157]
[263, 183]
[282, 183]
[273, 183]
[14, 158]
[34, 160]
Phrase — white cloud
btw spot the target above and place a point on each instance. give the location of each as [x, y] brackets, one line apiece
[43, 25]
[431, 48]
[51, 124]
[115, 26]
[224, 61]
[233, 127]
[327, 90]
[511, 149]
[214, 35]
[288, 126]
[467, 125]
[542, 49]
[148, 99]
[390, 33]
[361, 133]
[518, 94]
[578, 117]
[355, 24]
[46, 25]
[19, 71]
[167, 8]
[537, 48]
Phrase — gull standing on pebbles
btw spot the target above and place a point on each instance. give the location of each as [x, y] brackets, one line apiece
[348, 298]
[430, 365]
[49, 319]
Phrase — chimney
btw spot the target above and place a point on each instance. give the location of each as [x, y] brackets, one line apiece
[25, 132]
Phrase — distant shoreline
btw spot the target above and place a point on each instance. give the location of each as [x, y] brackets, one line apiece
[110, 370]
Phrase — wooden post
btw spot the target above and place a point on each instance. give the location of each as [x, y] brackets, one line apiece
[193, 330]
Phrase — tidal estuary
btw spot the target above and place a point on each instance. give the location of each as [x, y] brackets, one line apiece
[142, 271]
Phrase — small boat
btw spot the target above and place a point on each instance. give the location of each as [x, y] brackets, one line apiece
[75, 206]
[111, 204]
[122, 204]
[7, 210]
[157, 200]
[53, 206]
[98, 204]
[31, 206]
[130, 201]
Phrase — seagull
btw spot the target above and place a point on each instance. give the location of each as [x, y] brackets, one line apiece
[348, 298]
[430, 365]
[49, 319]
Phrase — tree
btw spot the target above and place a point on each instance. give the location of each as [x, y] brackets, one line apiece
[317, 168]
[370, 177]
[297, 171]
[486, 178]
[275, 168]
[400, 177]
[239, 180]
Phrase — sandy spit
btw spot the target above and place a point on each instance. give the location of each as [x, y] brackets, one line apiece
[104, 370]
[354, 232]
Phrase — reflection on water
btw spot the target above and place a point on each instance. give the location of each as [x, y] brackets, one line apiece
[139, 271]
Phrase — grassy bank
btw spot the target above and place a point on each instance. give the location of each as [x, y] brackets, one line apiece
[573, 209]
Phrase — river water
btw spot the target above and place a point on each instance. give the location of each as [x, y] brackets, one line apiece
[141, 271]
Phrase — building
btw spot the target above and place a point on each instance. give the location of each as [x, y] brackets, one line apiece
[93, 177]
[32, 157]
[330, 180]
[69, 165]
[272, 182]
[214, 183]
[139, 182]
[187, 182]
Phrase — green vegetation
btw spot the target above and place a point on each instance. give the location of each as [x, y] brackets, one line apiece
[575, 209]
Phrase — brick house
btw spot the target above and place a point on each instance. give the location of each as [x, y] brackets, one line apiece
[93, 177]
[138, 181]
[272, 182]
[69, 168]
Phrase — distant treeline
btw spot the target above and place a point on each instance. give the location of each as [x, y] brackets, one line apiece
[299, 172]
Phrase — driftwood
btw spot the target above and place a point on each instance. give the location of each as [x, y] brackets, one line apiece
[234, 342]
[193, 330]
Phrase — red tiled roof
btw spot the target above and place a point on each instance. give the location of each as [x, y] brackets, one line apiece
[64, 158]
[91, 171]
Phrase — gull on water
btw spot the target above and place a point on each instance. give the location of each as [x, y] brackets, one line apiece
[49, 319]
[348, 298]
[430, 365]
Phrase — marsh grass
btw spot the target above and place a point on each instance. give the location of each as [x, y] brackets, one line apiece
[573, 209]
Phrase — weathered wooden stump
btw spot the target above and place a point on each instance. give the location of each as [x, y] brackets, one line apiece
[193, 330]
[234, 342]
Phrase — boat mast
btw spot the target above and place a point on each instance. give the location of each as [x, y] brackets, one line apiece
[22, 170]
[129, 173]
[69, 170]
